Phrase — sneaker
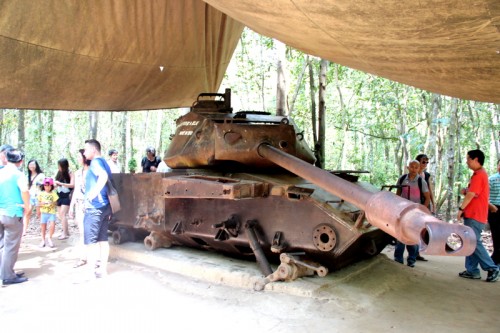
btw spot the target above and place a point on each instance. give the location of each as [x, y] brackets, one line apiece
[100, 273]
[49, 242]
[468, 275]
[14, 280]
[42, 244]
[420, 258]
[493, 275]
[411, 265]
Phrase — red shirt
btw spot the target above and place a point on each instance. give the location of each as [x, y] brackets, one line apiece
[477, 208]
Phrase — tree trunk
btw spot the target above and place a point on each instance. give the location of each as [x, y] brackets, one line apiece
[50, 137]
[122, 156]
[262, 77]
[298, 86]
[453, 144]
[93, 124]
[402, 156]
[281, 78]
[146, 129]
[434, 148]
[158, 141]
[430, 143]
[1, 127]
[323, 66]
[130, 139]
[476, 123]
[345, 122]
[39, 126]
[312, 96]
[21, 139]
[495, 134]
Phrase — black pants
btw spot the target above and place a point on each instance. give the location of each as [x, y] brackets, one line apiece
[494, 222]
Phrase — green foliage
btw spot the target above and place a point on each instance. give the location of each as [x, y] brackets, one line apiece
[374, 122]
[48, 141]
[132, 165]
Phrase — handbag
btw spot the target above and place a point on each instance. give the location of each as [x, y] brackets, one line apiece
[114, 199]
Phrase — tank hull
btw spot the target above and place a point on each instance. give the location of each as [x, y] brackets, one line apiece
[209, 210]
[244, 184]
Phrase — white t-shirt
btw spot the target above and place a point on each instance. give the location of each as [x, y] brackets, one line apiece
[163, 167]
[114, 167]
[35, 186]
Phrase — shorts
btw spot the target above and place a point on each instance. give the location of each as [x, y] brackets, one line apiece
[63, 201]
[95, 224]
[47, 217]
[33, 201]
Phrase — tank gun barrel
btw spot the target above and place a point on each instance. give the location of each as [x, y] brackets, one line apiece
[409, 222]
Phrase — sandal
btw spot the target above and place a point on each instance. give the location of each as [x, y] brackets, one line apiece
[79, 263]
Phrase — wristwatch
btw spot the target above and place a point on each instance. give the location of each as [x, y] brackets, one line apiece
[460, 208]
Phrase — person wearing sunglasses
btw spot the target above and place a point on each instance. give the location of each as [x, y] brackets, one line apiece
[424, 161]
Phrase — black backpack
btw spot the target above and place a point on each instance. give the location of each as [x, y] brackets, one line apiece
[403, 177]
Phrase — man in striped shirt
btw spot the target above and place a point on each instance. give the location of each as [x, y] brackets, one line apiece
[494, 213]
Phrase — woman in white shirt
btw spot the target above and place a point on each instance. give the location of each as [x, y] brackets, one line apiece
[76, 207]
[35, 179]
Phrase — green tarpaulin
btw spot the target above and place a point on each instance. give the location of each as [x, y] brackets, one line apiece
[135, 54]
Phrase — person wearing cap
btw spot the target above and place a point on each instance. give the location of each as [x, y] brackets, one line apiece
[150, 162]
[113, 163]
[47, 199]
[3, 151]
[14, 200]
[424, 162]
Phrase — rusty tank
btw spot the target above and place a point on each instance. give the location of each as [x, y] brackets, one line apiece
[244, 184]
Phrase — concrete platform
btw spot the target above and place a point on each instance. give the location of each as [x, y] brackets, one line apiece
[216, 268]
[190, 290]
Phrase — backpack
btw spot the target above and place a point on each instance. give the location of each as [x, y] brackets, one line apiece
[403, 177]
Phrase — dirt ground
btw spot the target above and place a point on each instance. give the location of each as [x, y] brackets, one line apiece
[376, 295]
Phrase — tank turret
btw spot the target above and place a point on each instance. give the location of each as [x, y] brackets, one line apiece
[211, 135]
[244, 184]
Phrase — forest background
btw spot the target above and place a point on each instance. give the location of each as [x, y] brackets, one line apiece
[356, 121]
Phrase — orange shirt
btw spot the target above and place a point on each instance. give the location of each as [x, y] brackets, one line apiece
[477, 208]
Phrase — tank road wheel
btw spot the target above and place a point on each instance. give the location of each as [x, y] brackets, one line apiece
[156, 240]
[122, 235]
[324, 237]
[322, 271]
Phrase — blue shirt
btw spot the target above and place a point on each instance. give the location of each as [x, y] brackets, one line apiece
[96, 166]
[495, 189]
[11, 201]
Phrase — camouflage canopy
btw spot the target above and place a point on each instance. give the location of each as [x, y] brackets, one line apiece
[135, 55]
